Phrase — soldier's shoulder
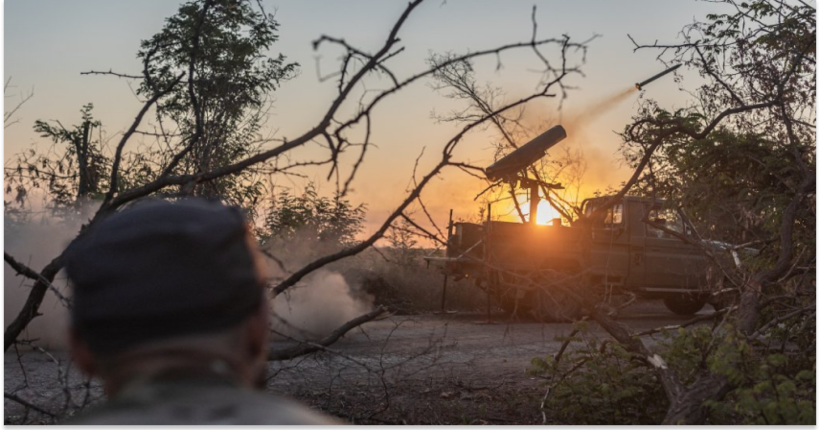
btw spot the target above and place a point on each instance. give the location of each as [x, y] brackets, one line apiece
[213, 406]
[260, 407]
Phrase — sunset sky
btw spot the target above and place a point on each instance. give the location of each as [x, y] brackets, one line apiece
[49, 42]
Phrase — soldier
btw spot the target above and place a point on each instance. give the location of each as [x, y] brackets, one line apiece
[170, 312]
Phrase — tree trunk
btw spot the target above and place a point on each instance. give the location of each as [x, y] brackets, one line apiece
[687, 406]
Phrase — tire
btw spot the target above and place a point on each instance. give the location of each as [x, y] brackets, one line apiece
[684, 304]
[555, 306]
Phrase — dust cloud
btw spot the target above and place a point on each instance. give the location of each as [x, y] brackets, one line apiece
[312, 309]
[323, 300]
[316, 307]
[35, 243]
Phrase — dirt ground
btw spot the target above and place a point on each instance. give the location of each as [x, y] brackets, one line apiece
[453, 368]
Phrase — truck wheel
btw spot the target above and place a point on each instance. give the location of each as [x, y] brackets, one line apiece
[684, 304]
[555, 306]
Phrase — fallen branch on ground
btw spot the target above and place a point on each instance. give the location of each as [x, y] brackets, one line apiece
[310, 347]
[687, 323]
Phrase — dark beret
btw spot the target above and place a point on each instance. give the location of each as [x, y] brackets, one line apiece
[161, 269]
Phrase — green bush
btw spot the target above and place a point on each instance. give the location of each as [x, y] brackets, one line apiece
[771, 387]
[327, 221]
[598, 382]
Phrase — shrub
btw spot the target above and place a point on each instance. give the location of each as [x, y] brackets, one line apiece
[598, 382]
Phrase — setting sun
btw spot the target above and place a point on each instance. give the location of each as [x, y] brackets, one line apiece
[546, 213]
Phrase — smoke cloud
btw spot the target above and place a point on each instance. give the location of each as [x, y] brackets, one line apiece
[312, 309]
[585, 136]
[590, 113]
[35, 243]
[321, 304]
[323, 300]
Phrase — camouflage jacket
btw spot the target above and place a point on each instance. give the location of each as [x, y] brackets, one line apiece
[199, 401]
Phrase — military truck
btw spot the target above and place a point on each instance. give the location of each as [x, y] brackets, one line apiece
[634, 249]
[624, 253]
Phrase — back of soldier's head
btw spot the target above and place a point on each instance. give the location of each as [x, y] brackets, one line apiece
[160, 271]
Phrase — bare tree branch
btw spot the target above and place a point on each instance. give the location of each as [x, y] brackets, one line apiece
[17, 399]
[310, 347]
[26, 271]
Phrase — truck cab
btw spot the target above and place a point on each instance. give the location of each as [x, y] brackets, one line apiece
[630, 252]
